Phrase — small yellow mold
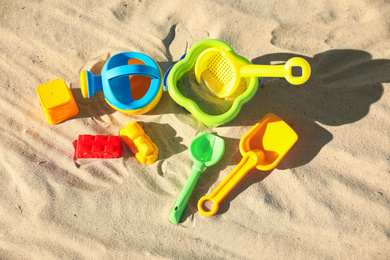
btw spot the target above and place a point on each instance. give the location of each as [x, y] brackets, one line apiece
[57, 101]
[139, 143]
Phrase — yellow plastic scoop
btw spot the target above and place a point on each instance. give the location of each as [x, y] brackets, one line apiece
[221, 72]
[263, 147]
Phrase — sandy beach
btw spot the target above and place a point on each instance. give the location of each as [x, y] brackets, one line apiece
[329, 198]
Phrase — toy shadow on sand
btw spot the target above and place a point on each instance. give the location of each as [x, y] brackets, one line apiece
[342, 87]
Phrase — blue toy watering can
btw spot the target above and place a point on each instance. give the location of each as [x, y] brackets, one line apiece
[131, 82]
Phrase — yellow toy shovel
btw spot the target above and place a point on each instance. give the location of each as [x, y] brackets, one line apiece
[221, 72]
[263, 147]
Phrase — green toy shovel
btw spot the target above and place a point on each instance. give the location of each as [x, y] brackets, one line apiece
[206, 150]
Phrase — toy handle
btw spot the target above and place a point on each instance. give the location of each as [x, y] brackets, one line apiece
[248, 162]
[185, 194]
[282, 71]
[128, 70]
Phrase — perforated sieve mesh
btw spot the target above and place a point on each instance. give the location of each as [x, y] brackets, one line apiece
[220, 68]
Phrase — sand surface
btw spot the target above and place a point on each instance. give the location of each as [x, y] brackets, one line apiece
[328, 199]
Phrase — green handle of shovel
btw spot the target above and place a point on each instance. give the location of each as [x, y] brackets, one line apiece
[185, 194]
[206, 150]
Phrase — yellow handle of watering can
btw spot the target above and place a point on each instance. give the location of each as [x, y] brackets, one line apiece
[282, 71]
[248, 162]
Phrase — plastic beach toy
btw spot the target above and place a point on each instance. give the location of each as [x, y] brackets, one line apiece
[139, 143]
[131, 82]
[57, 101]
[187, 64]
[198, 59]
[206, 150]
[263, 147]
[98, 146]
[222, 72]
